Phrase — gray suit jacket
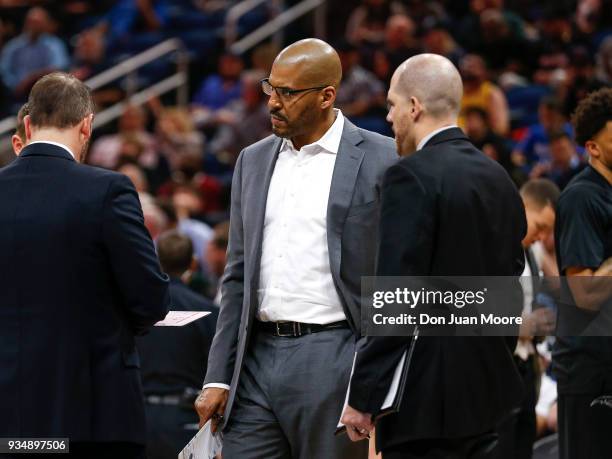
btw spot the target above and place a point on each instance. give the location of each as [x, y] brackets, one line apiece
[352, 227]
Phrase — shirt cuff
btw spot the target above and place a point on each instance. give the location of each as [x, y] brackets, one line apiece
[217, 385]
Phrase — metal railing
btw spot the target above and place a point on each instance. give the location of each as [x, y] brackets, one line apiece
[129, 69]
[237, 11]
[275, 25]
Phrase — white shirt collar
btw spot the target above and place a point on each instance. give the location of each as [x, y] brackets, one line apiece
[330, 141]
[61, 145]
[428, 137]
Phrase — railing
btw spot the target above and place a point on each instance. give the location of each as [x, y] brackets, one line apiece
[237, 11]
[274, 26]
[129, 69]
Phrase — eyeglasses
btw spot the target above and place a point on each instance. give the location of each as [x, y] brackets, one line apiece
[282, 92]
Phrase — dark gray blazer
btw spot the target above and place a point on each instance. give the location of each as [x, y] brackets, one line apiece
[352, 227]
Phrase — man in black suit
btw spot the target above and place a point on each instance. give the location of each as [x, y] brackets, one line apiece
[174, 358]
[447, 210]
[79, 278]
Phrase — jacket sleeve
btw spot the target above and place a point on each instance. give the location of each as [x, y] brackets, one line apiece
[134, 263]
[405, 249]
[222, 355]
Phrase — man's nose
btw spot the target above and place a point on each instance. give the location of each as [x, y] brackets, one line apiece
[274, 101]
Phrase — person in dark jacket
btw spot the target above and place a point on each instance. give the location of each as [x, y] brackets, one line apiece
[174, 358]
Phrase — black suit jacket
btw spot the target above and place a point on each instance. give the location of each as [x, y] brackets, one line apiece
[447, 210]
[78, 279]
[174, 358]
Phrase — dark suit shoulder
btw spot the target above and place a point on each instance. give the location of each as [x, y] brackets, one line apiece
[184, 299]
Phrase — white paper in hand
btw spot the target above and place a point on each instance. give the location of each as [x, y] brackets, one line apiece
[180, 318]
[204, 445]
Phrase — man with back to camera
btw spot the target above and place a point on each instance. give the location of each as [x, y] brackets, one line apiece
[79, 278]
[583, 238]
[302, 233]
[173, 359]
[446, 210]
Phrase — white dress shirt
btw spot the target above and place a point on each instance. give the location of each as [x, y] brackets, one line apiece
[295, 281]
[57, 144]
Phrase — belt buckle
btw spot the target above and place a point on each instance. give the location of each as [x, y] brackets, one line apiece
[297, 330]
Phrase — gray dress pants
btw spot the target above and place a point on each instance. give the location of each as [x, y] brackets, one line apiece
[290, 397]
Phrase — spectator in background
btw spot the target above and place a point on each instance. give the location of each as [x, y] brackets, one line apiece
[129, 16]
[603, 68]
[518, 431]
[218, 89]
[400, 44]
[189, 174]
[216, 257]
[154, 218]
[478, 91]
[106, 150]
[188, 205]
[366, 24]
[263, 57]
[34, 53]
[131, 152]
[360, 90]
[581, 77]
[177, 136]
[139, 180]
[89, 54]
[250, 110]
[437, 40]
[496, 147]
[400, 40]
[565, 161]
[500, 45]
[590, 18]
[470, 30]
[173, 359]
[534, 147]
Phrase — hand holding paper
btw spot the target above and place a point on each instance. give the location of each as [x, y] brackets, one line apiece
[204, 445]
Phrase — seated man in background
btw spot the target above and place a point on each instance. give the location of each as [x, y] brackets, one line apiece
[174, 358]
[32, 54]
[565, 161]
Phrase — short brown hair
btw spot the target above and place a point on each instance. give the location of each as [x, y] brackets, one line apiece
[592, 114]
[59, 100]
[175, 251]
[542, 192]
[20, 129]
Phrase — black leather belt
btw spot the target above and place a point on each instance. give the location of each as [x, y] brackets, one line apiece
[295, 329]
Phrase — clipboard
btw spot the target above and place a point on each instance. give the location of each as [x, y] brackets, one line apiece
[393, 399]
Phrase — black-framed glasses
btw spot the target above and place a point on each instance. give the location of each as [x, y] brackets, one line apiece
[283, 92]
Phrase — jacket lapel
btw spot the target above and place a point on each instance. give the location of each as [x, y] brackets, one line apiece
[258, 204]
[344, 177]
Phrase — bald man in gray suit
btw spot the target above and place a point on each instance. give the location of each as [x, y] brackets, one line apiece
[303, 231]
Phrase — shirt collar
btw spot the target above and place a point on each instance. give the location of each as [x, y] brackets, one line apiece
[330, 141]
[429, 136]
[61, 145]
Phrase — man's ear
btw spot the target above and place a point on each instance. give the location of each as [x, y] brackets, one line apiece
[17, 144]
[416, 108]
[27, 123]
[592, 148]
[87, 127]
[329, 97]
